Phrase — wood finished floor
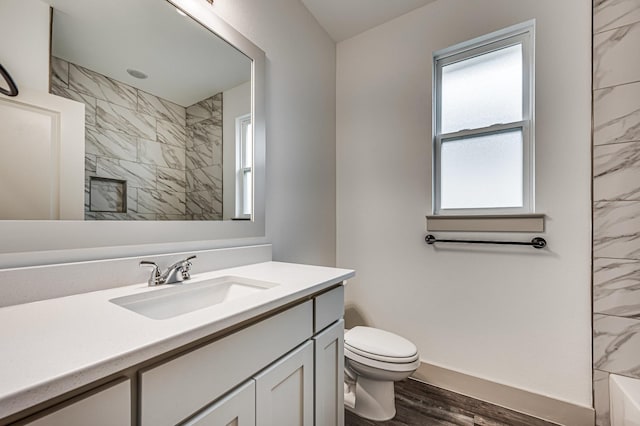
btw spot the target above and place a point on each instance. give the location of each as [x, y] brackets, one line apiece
[419, 404]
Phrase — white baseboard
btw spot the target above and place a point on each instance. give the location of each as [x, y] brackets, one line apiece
[533, 404]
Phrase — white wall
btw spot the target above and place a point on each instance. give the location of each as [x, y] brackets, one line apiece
[236, 102]
[300, 119]
[515, 316]
[24, 50]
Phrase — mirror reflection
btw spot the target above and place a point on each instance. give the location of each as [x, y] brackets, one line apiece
[168, 132]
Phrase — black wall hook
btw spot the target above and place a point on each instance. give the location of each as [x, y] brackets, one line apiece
[13, 89]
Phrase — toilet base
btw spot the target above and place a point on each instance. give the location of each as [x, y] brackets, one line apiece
[374, 399]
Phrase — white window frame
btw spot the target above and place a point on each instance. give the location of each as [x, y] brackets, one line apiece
[523, 34]
[241, 122]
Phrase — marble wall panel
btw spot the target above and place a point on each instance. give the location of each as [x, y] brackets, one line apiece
[201, 156]
[113, 117]
[616, 135]
[90, 163]
[202, 132]
[616, 345]
[119, 216]
[217, 109]
[91, 83]
[161, 108]
[161, 154]
[609, 14]
[614, 62]
[601, 397]
[199, 202]
[616, 288]
[107, 143]
[164, 202]
[132, 199]
[130, 135]
[59, 72]
[616, 229]
[136, 174]
[200, 111]
[171, 179]
[171, 133]
[616, 172]
[162, 216]
[207, 178]
[616, 114]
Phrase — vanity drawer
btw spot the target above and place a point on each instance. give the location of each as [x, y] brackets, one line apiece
[175, 390]
[328, 308]
[108, 407]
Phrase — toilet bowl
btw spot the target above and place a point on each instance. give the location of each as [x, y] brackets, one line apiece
[374, 360]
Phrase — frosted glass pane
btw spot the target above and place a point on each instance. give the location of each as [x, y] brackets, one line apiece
[482, 91]
[482, 171]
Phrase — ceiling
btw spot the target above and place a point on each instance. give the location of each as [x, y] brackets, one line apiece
[343, 19]
[185, 62]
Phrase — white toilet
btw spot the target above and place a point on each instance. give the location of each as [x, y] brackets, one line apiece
[374, 360]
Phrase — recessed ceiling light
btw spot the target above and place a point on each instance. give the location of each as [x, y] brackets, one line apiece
[180, 12]
[136, 73]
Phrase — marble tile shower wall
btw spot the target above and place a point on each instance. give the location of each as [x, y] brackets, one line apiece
[616, 193]
[204, 159]
[138, 137]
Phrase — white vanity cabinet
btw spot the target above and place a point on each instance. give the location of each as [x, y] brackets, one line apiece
[236, 409]
[108, 407]
[284, 391]
[329, 377]
[283, 369]
[293, 359]
[175, 390]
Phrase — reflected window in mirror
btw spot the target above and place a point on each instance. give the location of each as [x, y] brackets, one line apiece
[244, 162]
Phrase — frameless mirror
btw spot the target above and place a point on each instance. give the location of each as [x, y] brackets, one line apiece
[167, 112]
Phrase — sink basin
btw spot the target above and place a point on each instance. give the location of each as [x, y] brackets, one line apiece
[191, 296]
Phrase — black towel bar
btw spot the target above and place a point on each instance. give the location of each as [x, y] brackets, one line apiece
[537, 242]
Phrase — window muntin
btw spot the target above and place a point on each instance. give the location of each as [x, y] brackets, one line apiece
[244, 169]
[483, 103]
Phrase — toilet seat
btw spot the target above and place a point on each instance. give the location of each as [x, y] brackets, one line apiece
[378, 345]
[382, 365]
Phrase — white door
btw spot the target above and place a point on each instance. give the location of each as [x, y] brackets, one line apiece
[42, 161]
[329, 365]
[236, 409]
[284, 391]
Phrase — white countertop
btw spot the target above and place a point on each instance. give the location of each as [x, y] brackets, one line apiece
[53, 346]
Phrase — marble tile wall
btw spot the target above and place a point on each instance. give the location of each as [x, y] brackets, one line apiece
[204, 159]
[130, 135]
[616, 193]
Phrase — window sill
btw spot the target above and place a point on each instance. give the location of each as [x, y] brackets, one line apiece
[487, 223]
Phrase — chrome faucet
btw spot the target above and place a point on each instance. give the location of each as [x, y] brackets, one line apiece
[175, 274]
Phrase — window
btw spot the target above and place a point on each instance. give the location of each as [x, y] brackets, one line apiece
[244, 164]
[483, 125]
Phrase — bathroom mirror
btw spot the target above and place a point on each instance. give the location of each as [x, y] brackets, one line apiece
[171, 142]
[167, 110]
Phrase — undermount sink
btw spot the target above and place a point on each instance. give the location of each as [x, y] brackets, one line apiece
[191, 296]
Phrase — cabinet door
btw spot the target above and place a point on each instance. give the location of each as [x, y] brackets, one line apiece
[329, 352]
[236, 409]
[110, 407]
[284, 391]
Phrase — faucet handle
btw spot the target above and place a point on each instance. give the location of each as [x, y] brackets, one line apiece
[154, 279]
[186, 267]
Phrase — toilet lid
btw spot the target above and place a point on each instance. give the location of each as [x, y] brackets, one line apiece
[379, 344]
